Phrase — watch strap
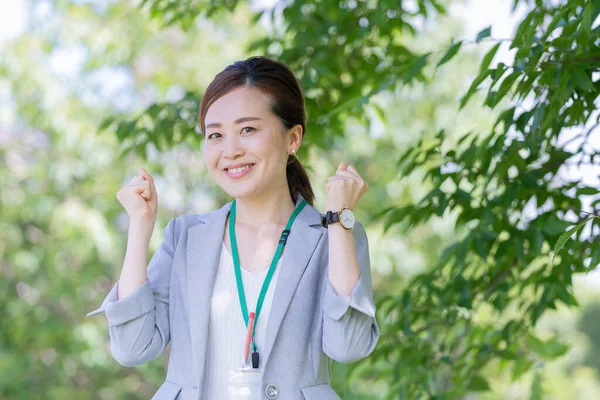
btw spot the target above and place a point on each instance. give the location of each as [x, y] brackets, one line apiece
[331, 217]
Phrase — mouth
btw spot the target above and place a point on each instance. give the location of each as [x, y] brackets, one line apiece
[235, 173]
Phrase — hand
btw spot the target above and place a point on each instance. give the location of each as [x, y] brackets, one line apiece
[139, 198]
[344, 189]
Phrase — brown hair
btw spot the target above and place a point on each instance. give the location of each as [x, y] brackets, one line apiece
[277, 80]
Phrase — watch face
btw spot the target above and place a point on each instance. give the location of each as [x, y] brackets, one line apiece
[347, 218]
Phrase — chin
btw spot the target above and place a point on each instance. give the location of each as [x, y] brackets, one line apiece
[240, 192]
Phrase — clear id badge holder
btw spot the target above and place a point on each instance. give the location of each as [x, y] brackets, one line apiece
[244, 383]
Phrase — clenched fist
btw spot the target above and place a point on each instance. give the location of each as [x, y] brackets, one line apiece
[139, 198]
[344, 189]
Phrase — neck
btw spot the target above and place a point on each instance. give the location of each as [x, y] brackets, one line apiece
[273, 209]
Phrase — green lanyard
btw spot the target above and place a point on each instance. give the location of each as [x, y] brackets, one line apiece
[238, 272]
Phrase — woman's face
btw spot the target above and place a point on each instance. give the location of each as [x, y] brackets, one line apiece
[241, 129]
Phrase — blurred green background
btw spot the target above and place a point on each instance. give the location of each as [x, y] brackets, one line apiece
[467, 200]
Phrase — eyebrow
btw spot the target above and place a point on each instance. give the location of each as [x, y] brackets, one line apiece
[237, 121]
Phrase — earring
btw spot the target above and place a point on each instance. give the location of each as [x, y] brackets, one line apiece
[293, 151]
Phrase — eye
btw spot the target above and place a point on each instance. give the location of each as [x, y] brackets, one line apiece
[209, 136]
[249, 127]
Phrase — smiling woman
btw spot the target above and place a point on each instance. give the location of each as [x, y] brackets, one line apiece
[253, 113]
[243, 315]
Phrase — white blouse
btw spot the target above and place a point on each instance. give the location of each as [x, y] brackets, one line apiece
[226, 329]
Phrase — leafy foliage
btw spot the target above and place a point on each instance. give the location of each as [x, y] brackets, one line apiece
[500, 264]
[343, 54]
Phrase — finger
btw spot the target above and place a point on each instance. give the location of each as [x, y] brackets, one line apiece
[140, 182]
[144, 192]
[353, 170]
[341, 166]
[338, 178]
[360, 178]
[348, 174]
[141, 186]
[145, 173]
[148, 177]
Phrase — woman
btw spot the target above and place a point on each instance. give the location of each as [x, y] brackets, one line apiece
[266, 280]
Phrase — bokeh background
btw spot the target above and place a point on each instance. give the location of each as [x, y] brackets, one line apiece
[92, 90]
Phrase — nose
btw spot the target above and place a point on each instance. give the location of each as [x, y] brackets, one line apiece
[232, 148]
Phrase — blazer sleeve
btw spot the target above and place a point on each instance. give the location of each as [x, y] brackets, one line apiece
[350, 330]
[138, 324]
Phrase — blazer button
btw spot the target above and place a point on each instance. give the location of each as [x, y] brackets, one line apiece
[271, 392]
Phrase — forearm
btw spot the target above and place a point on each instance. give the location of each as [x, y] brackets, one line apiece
[350, 330]
[344, 271]
[134, 271]
[137, 307]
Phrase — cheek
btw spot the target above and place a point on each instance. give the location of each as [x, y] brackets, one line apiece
[266, 145]
[209, 157]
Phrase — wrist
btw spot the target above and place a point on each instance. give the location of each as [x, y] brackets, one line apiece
[343, 218]
[140, 228]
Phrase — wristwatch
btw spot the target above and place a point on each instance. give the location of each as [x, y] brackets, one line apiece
[344, 217]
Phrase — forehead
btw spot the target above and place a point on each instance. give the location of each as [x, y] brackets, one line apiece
[239, 103]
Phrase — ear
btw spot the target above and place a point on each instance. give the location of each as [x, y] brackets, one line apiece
[295, 136]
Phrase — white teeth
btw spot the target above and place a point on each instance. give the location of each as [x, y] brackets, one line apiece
[238, 170]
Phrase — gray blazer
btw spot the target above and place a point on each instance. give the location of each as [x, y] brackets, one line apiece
[309, 324]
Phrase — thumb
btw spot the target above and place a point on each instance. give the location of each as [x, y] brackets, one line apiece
[143, 173]
[341, 166]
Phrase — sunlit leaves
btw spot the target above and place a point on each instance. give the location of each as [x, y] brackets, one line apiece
[503, 255]
[567, 235]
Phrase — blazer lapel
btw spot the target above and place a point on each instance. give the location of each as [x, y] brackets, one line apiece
[301, 244]
[203, 251]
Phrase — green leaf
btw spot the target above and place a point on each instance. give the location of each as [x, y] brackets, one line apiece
[473, 88]
[106, 122]
[563, 294]
[257, 16]
[415, 67]
[487, 59]
[547, 350]
[538, 242]
[483, 34]
[595, 259]
[520, 366]
[395, 216]
[478, 384]
[523, 26]
[555, 348]
[481, 249]
[586, 20]
[505, 86]
[565, 236]
[583, 81]
[535, 344]
[450, 53]
[587, 191]
[381, 213]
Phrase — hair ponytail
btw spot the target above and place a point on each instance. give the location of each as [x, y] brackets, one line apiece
[298, 181]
